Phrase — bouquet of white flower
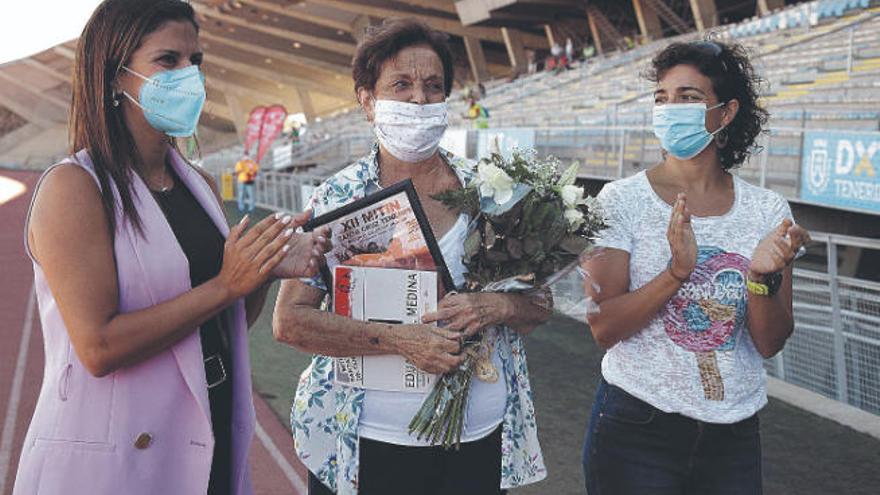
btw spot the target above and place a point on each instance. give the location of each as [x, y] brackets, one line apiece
[530, 223]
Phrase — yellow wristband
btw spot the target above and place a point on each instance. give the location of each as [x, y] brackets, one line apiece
[757, 288]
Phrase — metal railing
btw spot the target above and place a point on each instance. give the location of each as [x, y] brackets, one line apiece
[605, 152]
[278, 191]
[319, 158]
[609, 153]
[835, 349]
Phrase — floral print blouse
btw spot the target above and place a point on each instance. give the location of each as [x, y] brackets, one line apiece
[324, 417]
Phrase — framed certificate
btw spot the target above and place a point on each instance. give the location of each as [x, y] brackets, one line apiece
[383, 295]
[387, 229]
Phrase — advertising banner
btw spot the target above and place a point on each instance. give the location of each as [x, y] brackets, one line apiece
[273, 122]
[841, 169]
[255, 123]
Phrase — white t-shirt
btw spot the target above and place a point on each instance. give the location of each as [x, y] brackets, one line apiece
[696, 357]
[386, 415]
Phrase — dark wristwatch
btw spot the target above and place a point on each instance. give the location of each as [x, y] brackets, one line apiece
[769, 286]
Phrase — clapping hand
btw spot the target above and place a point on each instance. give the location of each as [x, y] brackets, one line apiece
[682, 241]
[250, 256]
[779, 248]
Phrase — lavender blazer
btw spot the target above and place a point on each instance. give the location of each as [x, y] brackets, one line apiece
[144, 429]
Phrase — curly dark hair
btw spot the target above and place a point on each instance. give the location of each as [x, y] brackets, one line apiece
[385, 41]
[727, 65]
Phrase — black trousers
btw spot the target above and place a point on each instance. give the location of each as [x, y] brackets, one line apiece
[387, 469]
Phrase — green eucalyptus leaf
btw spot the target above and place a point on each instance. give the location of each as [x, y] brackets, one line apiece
[569, 176]
[557, 228]
[472, 244]
[531, 245]
[489, 235]
[497, 256]
[514, 248]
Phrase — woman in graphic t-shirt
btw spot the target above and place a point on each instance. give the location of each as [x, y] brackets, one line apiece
[695, 279]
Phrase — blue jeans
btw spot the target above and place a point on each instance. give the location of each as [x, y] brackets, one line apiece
[248, 189]
[633, 448]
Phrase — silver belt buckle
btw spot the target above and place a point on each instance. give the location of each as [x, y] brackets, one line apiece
[222, 370]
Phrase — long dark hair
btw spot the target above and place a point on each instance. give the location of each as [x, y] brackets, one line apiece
[111, 36]
[733, 77]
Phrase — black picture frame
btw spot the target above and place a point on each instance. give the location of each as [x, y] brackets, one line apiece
[404, 187]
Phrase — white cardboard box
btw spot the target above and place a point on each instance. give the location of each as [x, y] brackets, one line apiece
[390, 296]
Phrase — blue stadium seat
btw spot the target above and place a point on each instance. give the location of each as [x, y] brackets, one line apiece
[826, 9]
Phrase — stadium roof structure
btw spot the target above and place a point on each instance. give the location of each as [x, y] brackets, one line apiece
[298, 53]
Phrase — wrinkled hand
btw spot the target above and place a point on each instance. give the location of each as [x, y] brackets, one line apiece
[470, 313]
[682, 241]
[430, 348]
[306, 253]
[249, 257]
[778, 249]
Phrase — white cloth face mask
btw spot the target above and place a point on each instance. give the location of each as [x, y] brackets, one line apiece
[410, 132]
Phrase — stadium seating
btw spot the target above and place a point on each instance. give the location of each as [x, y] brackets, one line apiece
[801, 52]
[808, 14]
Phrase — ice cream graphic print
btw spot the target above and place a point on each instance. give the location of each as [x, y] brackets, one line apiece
[708, 313]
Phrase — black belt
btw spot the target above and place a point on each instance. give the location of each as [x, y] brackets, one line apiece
[215, 370]
[215, 350]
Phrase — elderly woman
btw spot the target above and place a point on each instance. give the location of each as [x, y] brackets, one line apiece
[357, 441]
[696, 291]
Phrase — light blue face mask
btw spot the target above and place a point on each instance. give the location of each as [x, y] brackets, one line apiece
[172, 100]
[681, 128]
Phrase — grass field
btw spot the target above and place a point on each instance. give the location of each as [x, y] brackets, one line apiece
[803, 453]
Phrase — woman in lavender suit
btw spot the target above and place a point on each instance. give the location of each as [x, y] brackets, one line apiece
[145, 294]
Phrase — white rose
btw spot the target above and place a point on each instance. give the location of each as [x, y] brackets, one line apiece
[574, 217]
[495, 183]
[572, 195]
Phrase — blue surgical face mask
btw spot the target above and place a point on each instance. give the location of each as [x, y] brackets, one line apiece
[172, 100]
[681, 128]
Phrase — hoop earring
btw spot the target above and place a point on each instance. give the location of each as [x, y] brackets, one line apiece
[721, 139]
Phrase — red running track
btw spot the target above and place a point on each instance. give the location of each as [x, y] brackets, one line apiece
[274, 468]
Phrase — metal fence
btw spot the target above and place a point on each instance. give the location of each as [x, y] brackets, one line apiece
[319, 158]
[279, 191]
[835, 349]
[604, 153]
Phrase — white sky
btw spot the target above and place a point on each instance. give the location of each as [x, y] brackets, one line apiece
[31, 26]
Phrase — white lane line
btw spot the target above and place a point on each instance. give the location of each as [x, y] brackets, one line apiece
[15, 393]
[298, 483]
